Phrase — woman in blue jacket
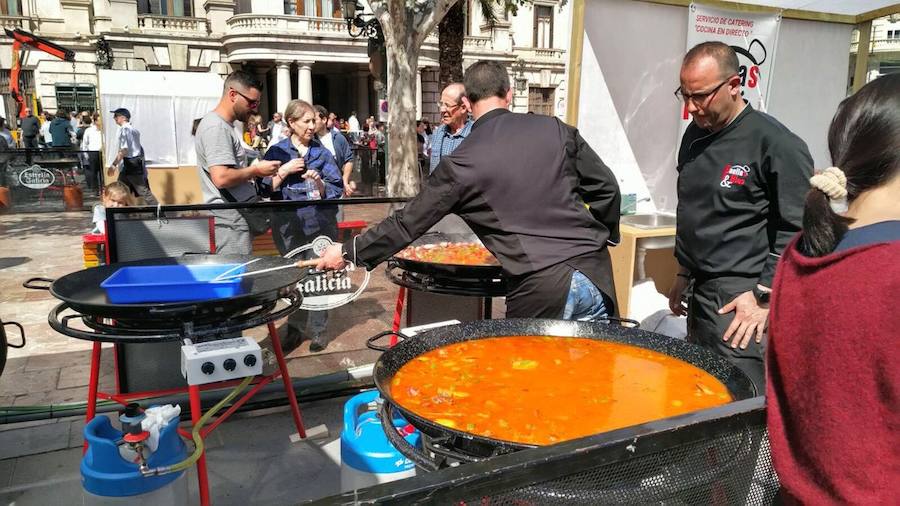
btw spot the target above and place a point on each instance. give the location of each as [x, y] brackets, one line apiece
[308, 172]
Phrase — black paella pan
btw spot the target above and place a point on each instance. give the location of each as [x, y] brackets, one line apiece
[444, 269]
[82, 292]
[738, 384]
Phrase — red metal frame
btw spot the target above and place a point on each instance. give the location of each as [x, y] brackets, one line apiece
[398, 313]
[194, 395]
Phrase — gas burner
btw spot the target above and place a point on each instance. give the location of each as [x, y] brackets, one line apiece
[447, 284]
[140, 331]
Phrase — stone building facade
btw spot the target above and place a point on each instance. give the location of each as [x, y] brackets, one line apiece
[299, 48]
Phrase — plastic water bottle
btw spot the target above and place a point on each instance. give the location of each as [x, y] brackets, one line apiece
[312, 190]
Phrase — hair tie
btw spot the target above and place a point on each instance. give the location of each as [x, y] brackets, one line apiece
[832, 182]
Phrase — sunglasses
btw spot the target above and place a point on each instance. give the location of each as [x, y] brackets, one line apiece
[250, 102]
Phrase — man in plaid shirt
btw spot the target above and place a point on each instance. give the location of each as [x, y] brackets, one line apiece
[455, 124]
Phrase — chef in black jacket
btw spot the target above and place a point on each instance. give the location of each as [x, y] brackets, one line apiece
[742, 178]
[535, 193]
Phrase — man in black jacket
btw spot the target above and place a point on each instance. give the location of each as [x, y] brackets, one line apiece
[742, 178]
[535, 193]
[31, 128]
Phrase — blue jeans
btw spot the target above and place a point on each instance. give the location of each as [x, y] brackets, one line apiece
[585, 301]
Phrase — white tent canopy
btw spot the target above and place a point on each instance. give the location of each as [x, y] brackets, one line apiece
[840, 7]
[163, 106]
[626, 58]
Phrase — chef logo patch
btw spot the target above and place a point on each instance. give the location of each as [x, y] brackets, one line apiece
[734, 175]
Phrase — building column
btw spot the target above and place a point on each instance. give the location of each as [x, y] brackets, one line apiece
[418, 93]
[362, 96]
[304, 81]
[282, 85]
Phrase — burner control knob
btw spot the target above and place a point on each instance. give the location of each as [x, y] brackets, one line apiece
[207, 368]
[250, 360]
[229, 364]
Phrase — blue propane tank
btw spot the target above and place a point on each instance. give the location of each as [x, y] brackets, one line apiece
[108, 478]
[367, 457]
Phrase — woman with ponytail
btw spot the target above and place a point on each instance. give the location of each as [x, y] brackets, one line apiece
[833, 363]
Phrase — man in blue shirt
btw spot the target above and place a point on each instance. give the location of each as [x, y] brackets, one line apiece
[336, 144]
[455, 123]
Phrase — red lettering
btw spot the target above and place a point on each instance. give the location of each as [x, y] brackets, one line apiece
[754, 77]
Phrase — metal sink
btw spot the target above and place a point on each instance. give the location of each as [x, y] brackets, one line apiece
[649, 221]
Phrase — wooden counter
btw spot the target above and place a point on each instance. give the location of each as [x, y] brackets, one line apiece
[659, 264]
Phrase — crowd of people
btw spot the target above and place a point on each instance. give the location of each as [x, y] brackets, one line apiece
[60, 130]
[366, 141]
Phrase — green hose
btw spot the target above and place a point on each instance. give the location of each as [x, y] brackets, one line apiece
[195, 432]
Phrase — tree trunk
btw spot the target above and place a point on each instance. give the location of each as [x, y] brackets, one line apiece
[403, 176]
[405, 25]
[451, 33]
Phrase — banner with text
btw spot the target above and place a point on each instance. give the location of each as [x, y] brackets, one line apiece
[754, 38]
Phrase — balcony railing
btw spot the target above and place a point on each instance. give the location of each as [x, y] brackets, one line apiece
[260, 24]
[477, 43]
[540, 54]
[13, 22]
[879, 46]
[173, 24]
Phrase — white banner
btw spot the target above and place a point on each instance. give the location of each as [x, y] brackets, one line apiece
[754, 38]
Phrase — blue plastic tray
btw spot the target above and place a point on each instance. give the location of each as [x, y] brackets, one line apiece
[171, 283]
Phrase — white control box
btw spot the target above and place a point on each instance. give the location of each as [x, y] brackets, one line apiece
[221, 360]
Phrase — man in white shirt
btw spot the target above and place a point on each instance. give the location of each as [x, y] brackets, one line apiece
[91, 144]
[278, 128]
[131, 155]
[46, 137]
[353, 122]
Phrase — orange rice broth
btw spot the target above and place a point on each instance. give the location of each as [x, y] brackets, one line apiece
[541, 390]
[450, 253]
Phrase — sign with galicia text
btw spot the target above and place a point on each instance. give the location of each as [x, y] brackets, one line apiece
[36, 177]
[323, 290]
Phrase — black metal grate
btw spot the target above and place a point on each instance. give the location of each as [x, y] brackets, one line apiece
[731, 469]
[718, 456]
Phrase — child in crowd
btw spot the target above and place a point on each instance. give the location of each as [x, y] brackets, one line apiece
[115, 194]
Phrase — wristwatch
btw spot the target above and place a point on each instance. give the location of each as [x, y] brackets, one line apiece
[762, 296]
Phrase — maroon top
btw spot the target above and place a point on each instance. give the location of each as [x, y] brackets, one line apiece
[833, 369]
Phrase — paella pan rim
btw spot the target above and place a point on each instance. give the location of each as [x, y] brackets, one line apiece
[738, 384]
[81, 290]
[461, 270]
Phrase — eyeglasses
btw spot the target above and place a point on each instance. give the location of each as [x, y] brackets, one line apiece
[250, 102]
[699, 98]
[449, 107]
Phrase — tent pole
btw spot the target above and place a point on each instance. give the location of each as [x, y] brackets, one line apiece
[576, 49]
[862, 55]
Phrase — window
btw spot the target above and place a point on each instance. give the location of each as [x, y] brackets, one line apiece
[313, 8]
[893, 34]
[543, 26]
[889, 67]
[176, 8]
[540, 100]
[11, 7]
[76, 97]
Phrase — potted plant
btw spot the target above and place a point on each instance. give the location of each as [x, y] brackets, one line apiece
[73, 196]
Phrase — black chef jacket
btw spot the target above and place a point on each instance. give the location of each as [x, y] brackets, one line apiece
[740, 196]
[535, 193]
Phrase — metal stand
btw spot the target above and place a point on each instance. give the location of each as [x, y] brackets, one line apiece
[467, 287]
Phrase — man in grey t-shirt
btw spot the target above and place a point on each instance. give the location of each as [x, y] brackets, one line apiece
[224, 174]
